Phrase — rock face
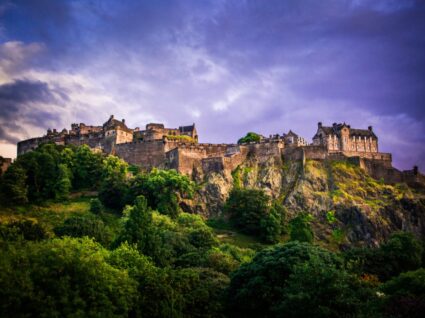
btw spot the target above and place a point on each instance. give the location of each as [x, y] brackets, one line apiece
[349, 207]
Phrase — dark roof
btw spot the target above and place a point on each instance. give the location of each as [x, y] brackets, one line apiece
[114, 123]
[336, 130]
[291, 133]
[187, 128]
[155, 125]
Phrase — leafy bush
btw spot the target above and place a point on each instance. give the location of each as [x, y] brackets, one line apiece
[96, 206]
[80, 226]
[402, 252]
[250, 137]
[163, 189]
[251, 211]
[29, 230]
[405, 295]
[62, 278]
[257, 288]
[13, 186]
[300, 228]
[296, 280]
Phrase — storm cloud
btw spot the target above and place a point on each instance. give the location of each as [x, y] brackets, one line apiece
[19, 100]
[228, 66]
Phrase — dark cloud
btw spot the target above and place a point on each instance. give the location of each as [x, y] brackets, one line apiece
[23, 100]
[231, 66]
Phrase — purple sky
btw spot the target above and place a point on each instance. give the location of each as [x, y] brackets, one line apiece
[229, 66]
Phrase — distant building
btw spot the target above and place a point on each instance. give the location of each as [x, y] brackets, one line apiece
[291, 139]
[4, 164]
[343, 138]
[178, 148]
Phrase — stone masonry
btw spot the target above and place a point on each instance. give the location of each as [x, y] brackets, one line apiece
[178, 148]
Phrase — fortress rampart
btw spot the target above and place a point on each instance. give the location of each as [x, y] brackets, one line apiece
[178, 148]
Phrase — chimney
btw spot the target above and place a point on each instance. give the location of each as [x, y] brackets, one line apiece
[370, 128]
[334, 125]
[123, 121]
[112, 117]
[319, 124]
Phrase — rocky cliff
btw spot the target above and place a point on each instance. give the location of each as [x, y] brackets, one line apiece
[349, 207]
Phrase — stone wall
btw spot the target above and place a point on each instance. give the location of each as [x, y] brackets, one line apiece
[30, 144]
[264, 150]
[146, 155]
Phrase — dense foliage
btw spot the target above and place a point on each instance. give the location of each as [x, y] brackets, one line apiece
[401, 253]
[300, 228]
[253, 212]
[131, 251]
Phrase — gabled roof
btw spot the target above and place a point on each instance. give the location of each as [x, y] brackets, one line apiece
[187, 128]
[336, 130]
[114, 123]
[291, 133]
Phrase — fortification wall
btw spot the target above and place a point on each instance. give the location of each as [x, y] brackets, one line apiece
[264, 150]
[212, 164]
[307, 152]
[30, 144]
[385, 158]
[146, 155]
[92, 140]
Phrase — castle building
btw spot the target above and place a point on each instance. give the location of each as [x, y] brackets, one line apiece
[291, 139]
[178, 148]
[343, 138]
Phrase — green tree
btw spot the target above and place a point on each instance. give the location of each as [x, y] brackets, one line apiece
[318, 289]
[402, 252]
[63, 185]
[87, 168]
[26, 229]
[80, 226]
[250, 137]
[138, 229]
[163, 189]
[404, 295]
[113, 192]
[257, 287]
[251, 211]
[300, 228]
[62, 278]
[96, 206]
[13, 187]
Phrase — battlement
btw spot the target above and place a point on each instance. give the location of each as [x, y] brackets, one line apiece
[178, 148]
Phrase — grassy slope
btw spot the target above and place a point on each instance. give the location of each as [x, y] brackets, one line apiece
[51, 214]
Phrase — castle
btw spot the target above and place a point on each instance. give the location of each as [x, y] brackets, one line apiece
[178, 148]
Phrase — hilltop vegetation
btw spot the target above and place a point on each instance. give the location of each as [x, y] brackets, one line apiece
[85, 235]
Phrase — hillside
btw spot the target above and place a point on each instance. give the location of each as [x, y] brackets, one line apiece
[83, 234]
[348, 206]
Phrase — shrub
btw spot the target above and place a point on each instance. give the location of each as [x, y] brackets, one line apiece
[257, 287]
[62, 278]
[250, 137]
[80, 226]
[96, 206]
[251, 211]
[29, 230]
[300, 228]
[405, 295]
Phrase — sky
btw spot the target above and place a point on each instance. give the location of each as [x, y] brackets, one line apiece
[228, 66]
